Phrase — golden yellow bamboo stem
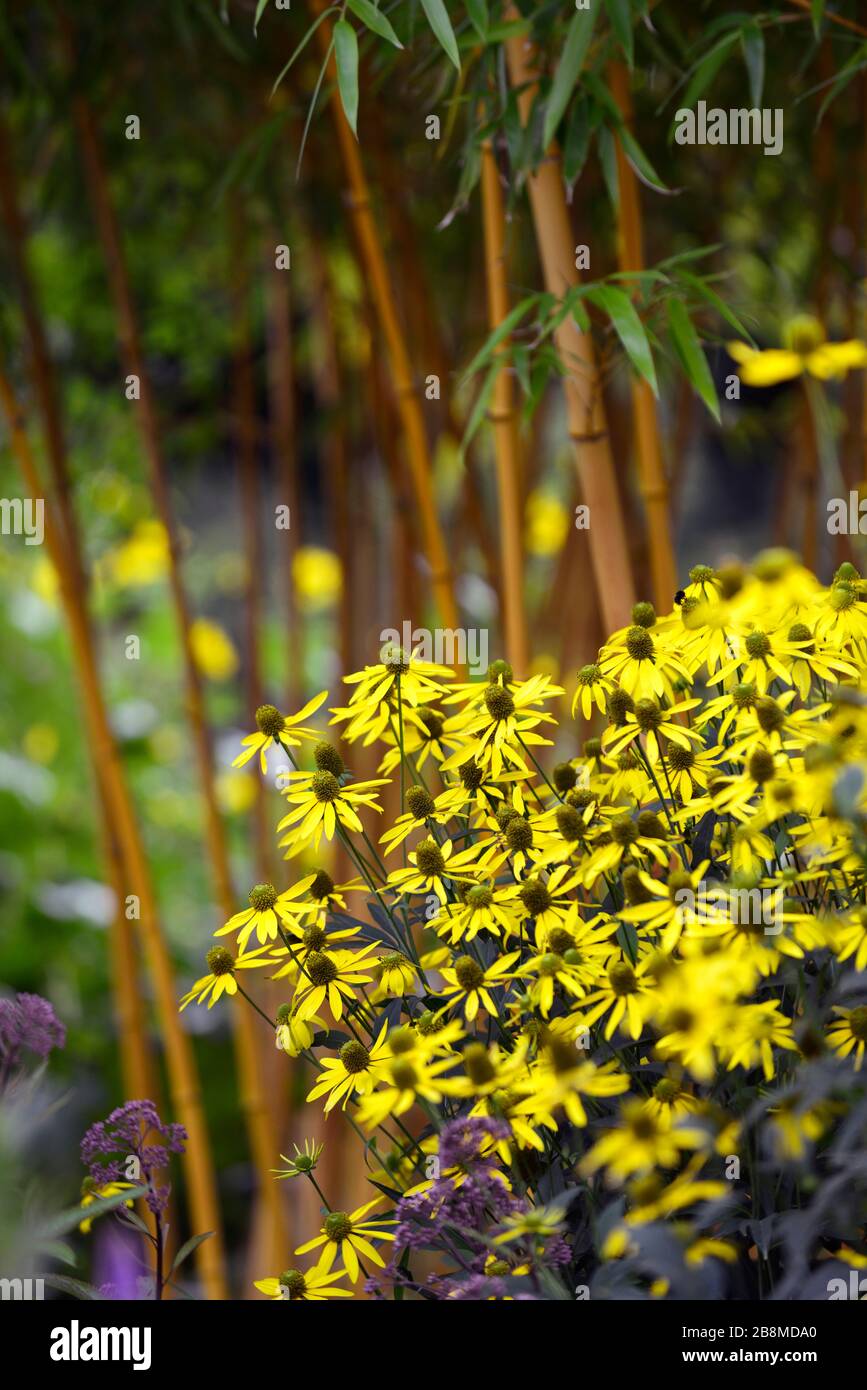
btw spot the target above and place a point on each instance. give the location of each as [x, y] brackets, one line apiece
[651, 472]
[379, 288]
[612, 569]
[182, 1071]
[502, 416]
[281, 394]
[264, 1142]
[139, 1076]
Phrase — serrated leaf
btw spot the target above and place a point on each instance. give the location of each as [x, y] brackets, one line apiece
[568, 70]
[438, 19]
[692, 358]
[620, 17]
[628, 327]
[187, 1249]
[478, 14]
[374, 20]
[346, 57]
[753, 41]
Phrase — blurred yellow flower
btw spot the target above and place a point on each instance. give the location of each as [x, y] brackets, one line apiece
[547, 524]
[318, 577]
[805, 349]
[143, 558]
[41, 742]
[45, 582]
[213, 650]
[236, 792]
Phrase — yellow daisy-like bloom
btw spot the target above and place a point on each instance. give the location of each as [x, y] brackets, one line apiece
[221, 977]
[592, 691]
[848, 1033]
[639, 1143]
[356, 1068]
[350, 1234]
[264, 915]
[430, 867]
[312, 1286]
[382, 690]
[294, 1035]
[805, 349]
[332, 977]
[472, 983]
[321, 803]
[275, 729]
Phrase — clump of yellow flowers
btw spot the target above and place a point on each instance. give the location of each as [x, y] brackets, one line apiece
[596, 1000]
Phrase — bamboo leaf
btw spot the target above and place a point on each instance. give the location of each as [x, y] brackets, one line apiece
[187, 1249]
[817, 11]
[608, 159]
[438, 19]
[260, 10]
[692, 358]
[753, 42]
[577, 142]
[478, 13]
[502, 331]
[302, 45]
[346, 57]
[568, 70]
[620, 17]
[703, 289]
[374, 20]
[639, 161]
[477, 414]
[628, 327]
[707, 69]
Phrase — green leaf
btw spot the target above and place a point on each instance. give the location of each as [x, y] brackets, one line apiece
[502, 331]
[639, 161]
[568, 70]
[608, 159]
[76, 1288]
[703, 289]
[260, 10]
[68, 1220]
[346, 56]
[692, 358]
[753, 41]
[628, 327]
[187, 1249]
[375, 20]
[817, 10]
[620, 16]
[477, 413]
[478, 13]
[302, 45]
[707, 69]
[438, 19]
[577, 142]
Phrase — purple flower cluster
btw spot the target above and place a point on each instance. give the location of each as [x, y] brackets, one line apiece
[28, 1023]
[481, 1199]
[134, 1130]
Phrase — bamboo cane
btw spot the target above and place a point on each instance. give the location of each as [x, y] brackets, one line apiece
[379, 287]
[182, 1071]
[281, 393]
[502, 416]
[654, 486]
[139, 1074]
[612, 569]
[263, 1138]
